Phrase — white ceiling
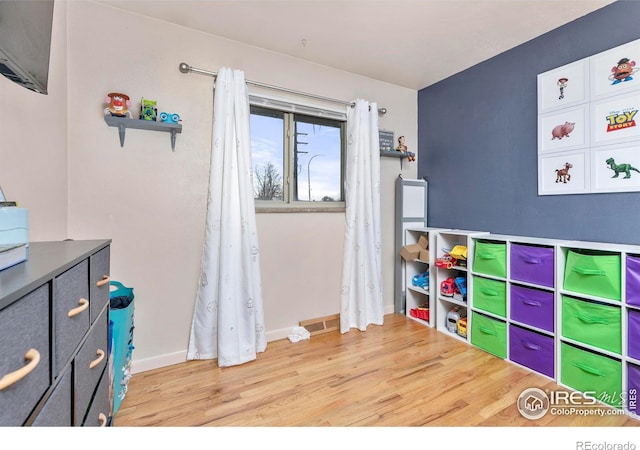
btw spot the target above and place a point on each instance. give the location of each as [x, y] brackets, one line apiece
[407, 43]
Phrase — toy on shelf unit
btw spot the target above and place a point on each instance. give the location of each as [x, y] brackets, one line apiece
[448, 287]
[118, 105]
[169, 118]
[462, 327]
[404, 149]
[446, 261]
[453, 316]
[421, 280]
[421, 312]
[148, 110]
[461, 285]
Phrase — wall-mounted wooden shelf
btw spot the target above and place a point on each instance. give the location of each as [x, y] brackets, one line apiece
[123, 123]
[394, 154]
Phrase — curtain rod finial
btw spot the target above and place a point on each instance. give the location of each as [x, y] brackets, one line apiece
[382, 111]
[184, 67]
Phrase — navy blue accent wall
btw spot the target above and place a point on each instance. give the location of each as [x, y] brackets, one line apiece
[477, 141]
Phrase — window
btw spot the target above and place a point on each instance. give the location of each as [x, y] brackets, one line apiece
[298, 161]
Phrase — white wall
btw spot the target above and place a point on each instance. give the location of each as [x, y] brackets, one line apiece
[151, 201]
[33, 145]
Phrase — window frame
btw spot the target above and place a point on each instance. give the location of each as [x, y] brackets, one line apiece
[288, 204]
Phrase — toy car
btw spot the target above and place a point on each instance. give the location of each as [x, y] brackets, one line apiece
[461, 284]
[453, 316]
[462, 327]
[421, 280]
[446, 262]
[448, 287]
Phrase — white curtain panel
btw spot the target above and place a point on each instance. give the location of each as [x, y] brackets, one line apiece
[228, 319]
[361, 301]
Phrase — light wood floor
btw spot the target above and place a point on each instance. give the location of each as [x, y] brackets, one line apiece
[398, 374]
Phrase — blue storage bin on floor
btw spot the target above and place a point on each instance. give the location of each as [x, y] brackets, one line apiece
[121, 340]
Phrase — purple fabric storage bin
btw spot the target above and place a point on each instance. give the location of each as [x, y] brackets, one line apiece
[633, 388]
[532, 264]
[532, 306]
[633, 280]
[633, 334]
[532, 350]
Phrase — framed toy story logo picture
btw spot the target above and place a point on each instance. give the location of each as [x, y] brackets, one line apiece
[589, 126]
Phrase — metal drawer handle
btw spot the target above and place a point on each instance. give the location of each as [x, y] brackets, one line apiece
[33, 356]
[84, 304]
[105, 280]
[103, 420]
[98, 360]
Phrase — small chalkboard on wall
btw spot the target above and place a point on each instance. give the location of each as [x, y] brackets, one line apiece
[387, 143]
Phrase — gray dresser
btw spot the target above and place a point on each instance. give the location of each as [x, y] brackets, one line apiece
[54, 336]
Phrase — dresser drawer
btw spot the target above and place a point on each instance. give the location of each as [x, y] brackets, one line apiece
[489, 334]
[592, 323]
[99, 282]
[89, 365]
[594, 273]
[490, 295]
[533, 307]
[71, 311]
[584, 371]
[56, 412]
[532, 264]
[490, 258]
[24, 330]
[100, 408]
[531, 349]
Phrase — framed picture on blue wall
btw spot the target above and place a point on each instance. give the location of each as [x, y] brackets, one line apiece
[615, 71]
[564, 173]
[564, 129]
[564, 87]
[615, 119]
[616, 168]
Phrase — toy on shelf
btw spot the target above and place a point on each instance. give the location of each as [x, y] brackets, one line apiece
[462, 327]
[421, 312]
[459, 252]
[148, 110]
[404, 149]
[421, 280]
[448, 287]
[461, 287]
[453, 316]
[118, 105]
[169, 118]
[446, 262]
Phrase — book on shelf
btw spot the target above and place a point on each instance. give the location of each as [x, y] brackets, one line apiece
[12, 254]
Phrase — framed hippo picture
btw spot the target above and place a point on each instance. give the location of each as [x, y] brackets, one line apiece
[563, 130]
[589, 110]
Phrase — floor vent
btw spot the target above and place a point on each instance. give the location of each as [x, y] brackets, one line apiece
[322, 325]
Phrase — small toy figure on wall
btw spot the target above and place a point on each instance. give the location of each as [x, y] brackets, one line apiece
[118, 105]
[402, 147]
[148, 110]
[169, 118]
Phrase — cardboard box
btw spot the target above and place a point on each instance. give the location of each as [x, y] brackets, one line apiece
[424, 255]
[14, 225]
[424, 241]
[410, 252]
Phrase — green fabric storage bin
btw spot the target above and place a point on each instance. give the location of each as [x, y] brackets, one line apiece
[592, 323]
[594, 273]
[587, 371]
[490, 258]
[489, 335]
[490, 295]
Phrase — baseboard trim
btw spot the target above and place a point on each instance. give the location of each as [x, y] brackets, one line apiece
[157, 362]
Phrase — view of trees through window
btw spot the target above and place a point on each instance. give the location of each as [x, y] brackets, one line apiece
[296, 158]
